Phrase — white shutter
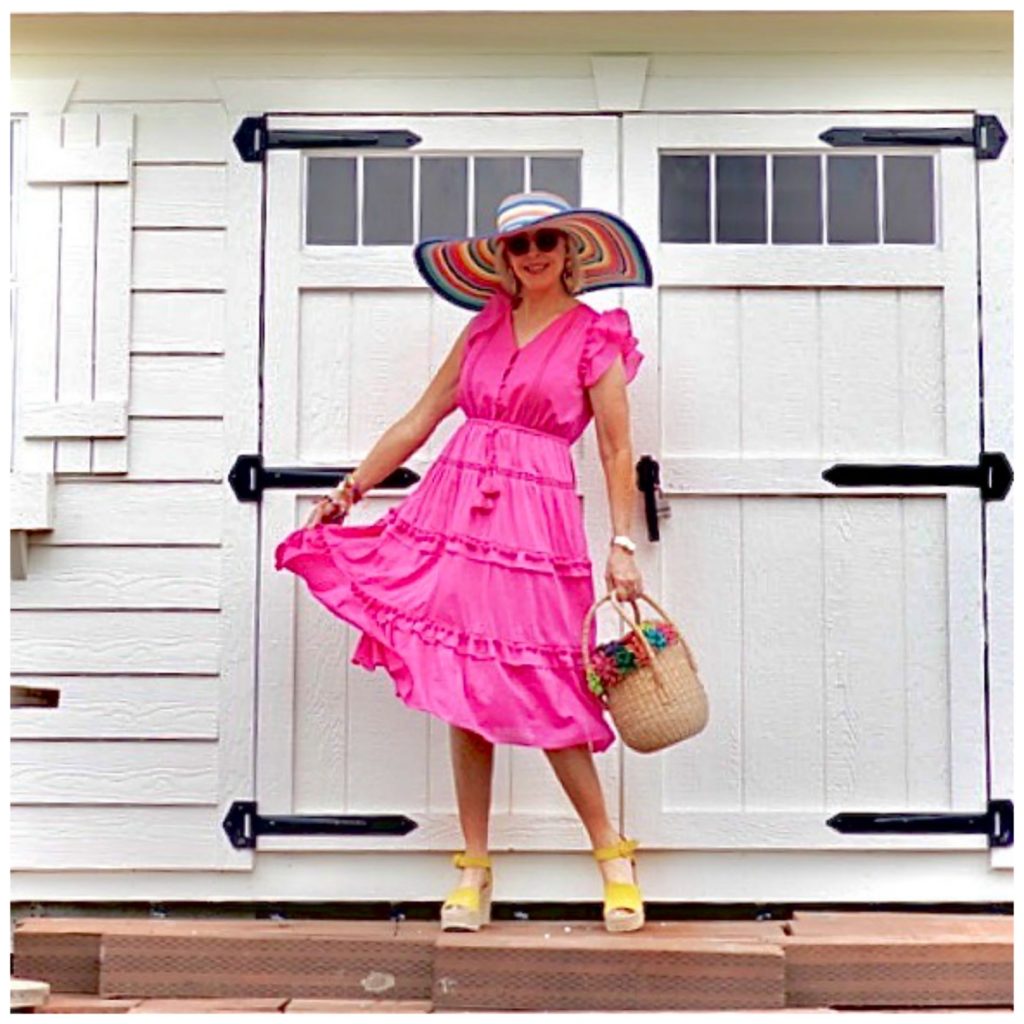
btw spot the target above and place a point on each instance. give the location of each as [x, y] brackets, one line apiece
[75, 294]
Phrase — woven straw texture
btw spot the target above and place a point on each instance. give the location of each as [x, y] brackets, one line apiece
[660, 703]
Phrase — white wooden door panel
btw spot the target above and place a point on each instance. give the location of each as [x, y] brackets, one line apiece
[352, 337]
[838, 630]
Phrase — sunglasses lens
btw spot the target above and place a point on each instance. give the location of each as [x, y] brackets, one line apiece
[518, 245]
[547, 239]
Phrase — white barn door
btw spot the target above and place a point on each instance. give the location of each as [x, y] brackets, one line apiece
[352, 337]
[813, 305]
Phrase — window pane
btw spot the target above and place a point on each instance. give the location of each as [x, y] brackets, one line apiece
[495, 177]
[444, 197]
[331, 201]
[387, 200]
[559, 174]
[909, 199]
[740, 192]
[852, 199]
[684, 183]
[796, 199]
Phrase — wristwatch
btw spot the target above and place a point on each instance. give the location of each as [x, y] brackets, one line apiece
[624, 542]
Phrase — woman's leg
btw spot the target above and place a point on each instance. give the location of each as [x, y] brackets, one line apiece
[473, 765]
[575, 769]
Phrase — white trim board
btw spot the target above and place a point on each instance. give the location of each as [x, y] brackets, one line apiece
[719, 876]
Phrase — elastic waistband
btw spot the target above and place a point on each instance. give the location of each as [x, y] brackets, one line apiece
[509, 425]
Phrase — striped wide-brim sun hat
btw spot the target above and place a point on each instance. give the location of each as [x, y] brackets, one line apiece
[463, 269]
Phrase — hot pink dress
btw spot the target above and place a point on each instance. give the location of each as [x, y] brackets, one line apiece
[471, 592]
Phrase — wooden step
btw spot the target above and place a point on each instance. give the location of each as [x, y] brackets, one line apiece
[815, 960]
[546, 967]
[893, 959]
[350, 960]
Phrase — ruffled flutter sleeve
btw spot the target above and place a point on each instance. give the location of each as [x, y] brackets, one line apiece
[493, 310]
[611, 334]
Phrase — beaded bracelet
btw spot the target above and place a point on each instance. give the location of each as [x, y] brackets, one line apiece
[349, 485]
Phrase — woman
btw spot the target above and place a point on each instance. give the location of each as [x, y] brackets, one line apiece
[472, 591]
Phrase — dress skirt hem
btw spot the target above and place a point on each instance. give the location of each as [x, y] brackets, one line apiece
[445, 688]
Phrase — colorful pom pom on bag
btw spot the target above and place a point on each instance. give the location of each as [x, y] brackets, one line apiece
[463, 271]
[648, 679]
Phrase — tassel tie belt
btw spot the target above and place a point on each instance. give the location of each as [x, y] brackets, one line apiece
[490, 486]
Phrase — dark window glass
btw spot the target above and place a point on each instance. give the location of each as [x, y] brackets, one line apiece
[495, 177]
[559, 174]
[852, 199]
[331, 201]
[387, 200]
[684, 207]
[444, 197]
[740, 193]
[796, 199]
[909, 199]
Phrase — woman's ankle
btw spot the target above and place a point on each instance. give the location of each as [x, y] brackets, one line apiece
[605, 838]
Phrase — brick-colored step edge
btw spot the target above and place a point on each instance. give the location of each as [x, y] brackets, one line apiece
[807, 922]
[85, 1002]
[377, 961]
[358, 1006]
[874, 970]
[209, 1006]
[538, 966]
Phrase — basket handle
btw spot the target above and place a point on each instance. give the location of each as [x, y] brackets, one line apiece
[635, 626]
[665, 615]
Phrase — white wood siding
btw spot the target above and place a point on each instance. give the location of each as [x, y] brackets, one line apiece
[134, 604]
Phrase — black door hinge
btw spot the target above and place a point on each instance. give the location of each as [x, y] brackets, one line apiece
[993, 475]
[253, 138]
[996, 822]
[243, 824]
[986, 136]
[249, 478]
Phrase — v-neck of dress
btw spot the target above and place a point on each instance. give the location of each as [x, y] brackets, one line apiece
[544, 329]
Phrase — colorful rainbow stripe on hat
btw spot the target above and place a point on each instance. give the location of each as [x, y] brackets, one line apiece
[463, 270]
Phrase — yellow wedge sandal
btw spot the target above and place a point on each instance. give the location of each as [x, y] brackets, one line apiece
[468, 908]
[623, 904]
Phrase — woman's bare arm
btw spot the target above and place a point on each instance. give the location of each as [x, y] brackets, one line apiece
[610, 403]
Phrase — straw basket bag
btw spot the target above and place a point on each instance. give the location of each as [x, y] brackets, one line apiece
[651, 688]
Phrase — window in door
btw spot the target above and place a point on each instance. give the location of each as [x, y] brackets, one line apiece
[399, 200]
[807, 199]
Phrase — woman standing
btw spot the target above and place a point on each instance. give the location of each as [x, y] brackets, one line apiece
[471, 592]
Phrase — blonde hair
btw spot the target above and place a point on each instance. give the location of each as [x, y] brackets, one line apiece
[571, 282]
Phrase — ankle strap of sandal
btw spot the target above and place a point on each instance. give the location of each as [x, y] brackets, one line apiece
[466, 860]
[623, 848]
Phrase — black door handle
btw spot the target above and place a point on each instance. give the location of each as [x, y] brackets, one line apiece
[249, 478]
[648, 478]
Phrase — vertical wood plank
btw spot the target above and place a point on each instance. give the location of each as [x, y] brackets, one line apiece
[38, 323]
[113, 292]
[77, 291]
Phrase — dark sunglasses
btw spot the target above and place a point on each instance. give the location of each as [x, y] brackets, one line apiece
[546, 240]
